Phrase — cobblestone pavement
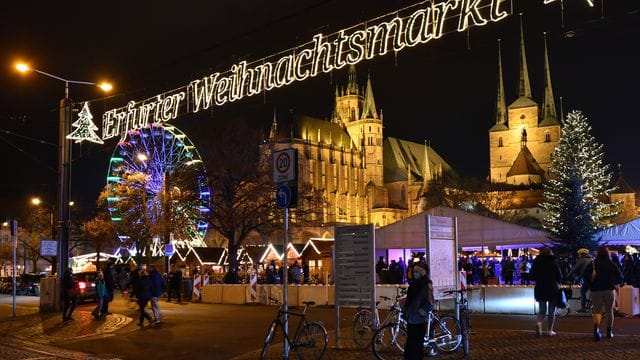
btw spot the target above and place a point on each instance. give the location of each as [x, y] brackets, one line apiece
[509, 344]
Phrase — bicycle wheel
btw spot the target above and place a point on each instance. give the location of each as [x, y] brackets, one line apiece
[311, 342]
[271, 335]
[362, 328]
[389, 342]
[447, 334]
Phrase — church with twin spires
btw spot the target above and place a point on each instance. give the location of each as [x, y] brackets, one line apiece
[524, 136]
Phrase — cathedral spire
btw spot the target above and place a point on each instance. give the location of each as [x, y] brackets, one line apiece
[352, 87]
[525, 86]
[369, 106]
[549, 105]
[334, 114]
[273, 133]
[501, 105]
[426, 166]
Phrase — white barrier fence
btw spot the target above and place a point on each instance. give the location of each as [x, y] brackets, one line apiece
[515, 299]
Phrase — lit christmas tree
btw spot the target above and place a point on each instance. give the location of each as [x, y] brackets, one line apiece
[580, 181]
[85, 128]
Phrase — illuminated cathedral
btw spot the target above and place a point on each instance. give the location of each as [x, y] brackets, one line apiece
[361, 176]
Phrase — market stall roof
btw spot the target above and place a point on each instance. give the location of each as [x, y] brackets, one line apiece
[208, 255]
[474, 231]
[254, 252]
[623, 234]
[317, 247]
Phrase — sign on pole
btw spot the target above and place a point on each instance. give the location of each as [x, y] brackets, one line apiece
[442, 250]
[354, 268]
[49, 248]
[168, 250]
[284, 165]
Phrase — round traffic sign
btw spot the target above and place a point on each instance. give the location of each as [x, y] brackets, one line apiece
[283, 162]
[283, 196]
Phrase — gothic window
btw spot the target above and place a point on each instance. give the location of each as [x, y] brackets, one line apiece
[500, 142]
[547, 137]
[353, 114]
[524, 135]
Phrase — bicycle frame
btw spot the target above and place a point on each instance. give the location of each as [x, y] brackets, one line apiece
[301, 324]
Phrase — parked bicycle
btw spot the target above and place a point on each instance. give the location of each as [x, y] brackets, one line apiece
[364, 326]
[443, 334]
[309, 340]
[463, 317]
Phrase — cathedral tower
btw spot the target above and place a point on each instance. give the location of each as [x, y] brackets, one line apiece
[356, 111]
[521, 144]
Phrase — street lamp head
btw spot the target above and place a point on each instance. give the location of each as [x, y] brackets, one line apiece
[36, 201]
[142, 157]
[22, 67]
[105, 86]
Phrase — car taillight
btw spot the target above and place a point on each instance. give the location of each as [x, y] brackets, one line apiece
[82, 285]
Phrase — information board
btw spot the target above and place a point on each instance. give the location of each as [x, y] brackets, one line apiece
[354, 258]
[48, 248]
[442, 251]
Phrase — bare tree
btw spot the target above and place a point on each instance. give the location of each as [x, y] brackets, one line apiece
[242, 201]
[100, 232]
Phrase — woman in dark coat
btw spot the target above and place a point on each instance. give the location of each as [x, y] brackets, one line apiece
[602, 283]
[546, 273]
[143, 292]
[416, 312]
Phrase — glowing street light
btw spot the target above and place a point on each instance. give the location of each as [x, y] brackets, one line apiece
[64, 161]
[142, 157]
[36, 201]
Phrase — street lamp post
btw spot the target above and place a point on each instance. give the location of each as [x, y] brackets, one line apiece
[64, 163]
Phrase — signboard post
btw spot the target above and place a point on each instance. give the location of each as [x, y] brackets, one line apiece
[49, 248]
[354, 269]
[285, 174]
[442, 250]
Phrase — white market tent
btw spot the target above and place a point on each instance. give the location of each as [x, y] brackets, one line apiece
[623, 234]
[474, 231]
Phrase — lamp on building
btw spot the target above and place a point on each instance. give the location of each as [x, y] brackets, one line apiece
[64, 161]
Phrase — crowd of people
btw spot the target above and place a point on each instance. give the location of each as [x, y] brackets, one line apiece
[143, 285]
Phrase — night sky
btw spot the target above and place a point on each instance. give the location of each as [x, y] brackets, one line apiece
[442, 91]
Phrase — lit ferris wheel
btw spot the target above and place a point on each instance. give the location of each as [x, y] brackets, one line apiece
[172, 165]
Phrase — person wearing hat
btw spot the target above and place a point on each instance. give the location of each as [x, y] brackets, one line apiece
[416, 312]
[576, 274]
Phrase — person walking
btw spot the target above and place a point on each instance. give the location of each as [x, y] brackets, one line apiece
[175, 281]
[603, 276]
[144, 292]
[416, 311]
[157, 288]
[109, 283]
[546, 273]
[577, 273]
[69, 295]
[101, 293]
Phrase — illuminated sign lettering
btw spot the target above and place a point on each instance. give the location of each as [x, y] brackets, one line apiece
[408, 27]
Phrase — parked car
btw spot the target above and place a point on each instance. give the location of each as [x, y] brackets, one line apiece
[87, 284]
[29, 284]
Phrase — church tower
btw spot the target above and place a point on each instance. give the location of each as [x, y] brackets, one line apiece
[356, 111]
[521, 144]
